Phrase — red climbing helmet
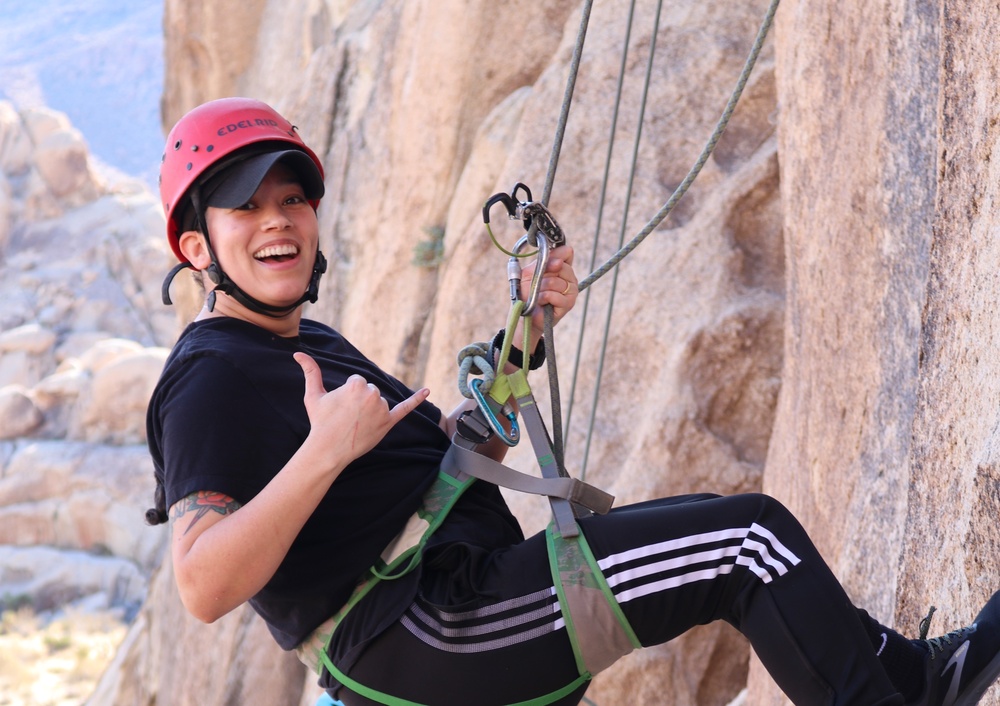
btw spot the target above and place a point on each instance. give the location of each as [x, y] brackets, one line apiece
[210, 133]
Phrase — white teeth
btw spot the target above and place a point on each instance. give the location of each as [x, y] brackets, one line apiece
[276, 250]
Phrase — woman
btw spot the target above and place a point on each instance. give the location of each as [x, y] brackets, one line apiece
[289, 462]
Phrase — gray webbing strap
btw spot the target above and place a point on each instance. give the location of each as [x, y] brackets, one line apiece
[562, 510]
[569, 498]
[459, 459]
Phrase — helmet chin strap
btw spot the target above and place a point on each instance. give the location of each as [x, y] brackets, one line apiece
[223, 283]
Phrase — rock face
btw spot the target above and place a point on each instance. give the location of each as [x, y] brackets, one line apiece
[82, 342]
[813, 319]
[885, 437]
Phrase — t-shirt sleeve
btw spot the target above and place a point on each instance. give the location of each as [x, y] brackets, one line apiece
[215, 430]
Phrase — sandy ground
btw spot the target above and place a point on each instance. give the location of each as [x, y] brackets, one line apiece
[56, 661]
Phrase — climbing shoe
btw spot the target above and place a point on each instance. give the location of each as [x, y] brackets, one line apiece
[963, 664]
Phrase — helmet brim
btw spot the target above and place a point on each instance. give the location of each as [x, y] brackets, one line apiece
[236, 184]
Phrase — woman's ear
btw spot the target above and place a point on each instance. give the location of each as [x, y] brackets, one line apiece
[192, 244]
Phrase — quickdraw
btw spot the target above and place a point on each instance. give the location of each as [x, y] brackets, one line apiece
[501, 388]
[596, 625]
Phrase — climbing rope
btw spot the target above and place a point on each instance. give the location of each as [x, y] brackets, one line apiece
[650, 226]
[550, 176]
[597, 229]
[519, 209]
[621, 240]
[702, 158]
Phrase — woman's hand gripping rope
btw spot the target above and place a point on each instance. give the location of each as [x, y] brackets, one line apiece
[559, 288]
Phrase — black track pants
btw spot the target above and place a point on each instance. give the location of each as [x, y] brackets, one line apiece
[672, 564]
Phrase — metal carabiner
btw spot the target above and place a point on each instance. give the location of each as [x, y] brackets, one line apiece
[541, 262]
[510, 438]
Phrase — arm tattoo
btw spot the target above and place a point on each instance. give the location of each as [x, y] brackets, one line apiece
[204, 502]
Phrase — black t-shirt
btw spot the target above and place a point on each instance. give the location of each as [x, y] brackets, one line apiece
[227, 415]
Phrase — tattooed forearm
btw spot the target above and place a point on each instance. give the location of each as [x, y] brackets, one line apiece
[203, 502]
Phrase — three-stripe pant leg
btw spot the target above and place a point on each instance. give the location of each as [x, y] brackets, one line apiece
[745, 559]
[491, 635]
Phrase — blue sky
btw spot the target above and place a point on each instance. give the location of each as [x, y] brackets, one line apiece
[98, 61]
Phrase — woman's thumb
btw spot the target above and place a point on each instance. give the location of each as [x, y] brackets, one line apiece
[310, 370]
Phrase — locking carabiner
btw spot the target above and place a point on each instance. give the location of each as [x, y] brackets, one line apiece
[541, 262]
[509, 438]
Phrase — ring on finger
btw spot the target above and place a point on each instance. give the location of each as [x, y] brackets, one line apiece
[566, 291]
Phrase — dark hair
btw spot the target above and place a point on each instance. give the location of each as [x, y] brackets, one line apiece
[158, 515]
[188, 218]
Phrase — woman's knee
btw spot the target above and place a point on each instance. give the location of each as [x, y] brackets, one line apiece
[774, 516]
[769, 505]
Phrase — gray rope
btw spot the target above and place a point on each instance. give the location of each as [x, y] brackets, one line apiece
[474, 359]
[702, 158]
[621, 239]
[623, 252]
[600, 210]
[574, 69]
[550, 341]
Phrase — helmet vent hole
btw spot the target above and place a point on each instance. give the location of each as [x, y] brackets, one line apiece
[189, 166]
[210, 148]
[177, 145]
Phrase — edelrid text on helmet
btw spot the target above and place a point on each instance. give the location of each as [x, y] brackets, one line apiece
[207, 135]
[245, 124]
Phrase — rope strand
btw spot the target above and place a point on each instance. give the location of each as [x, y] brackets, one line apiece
[621, 239]
[600, 208]
[549, 334]
[665, 210]
[702, 158]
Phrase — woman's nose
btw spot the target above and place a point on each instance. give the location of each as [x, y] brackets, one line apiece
[273, 217]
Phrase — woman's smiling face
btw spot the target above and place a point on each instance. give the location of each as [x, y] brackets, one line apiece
[268, 245]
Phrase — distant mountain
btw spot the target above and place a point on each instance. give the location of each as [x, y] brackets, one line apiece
[98, 61]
